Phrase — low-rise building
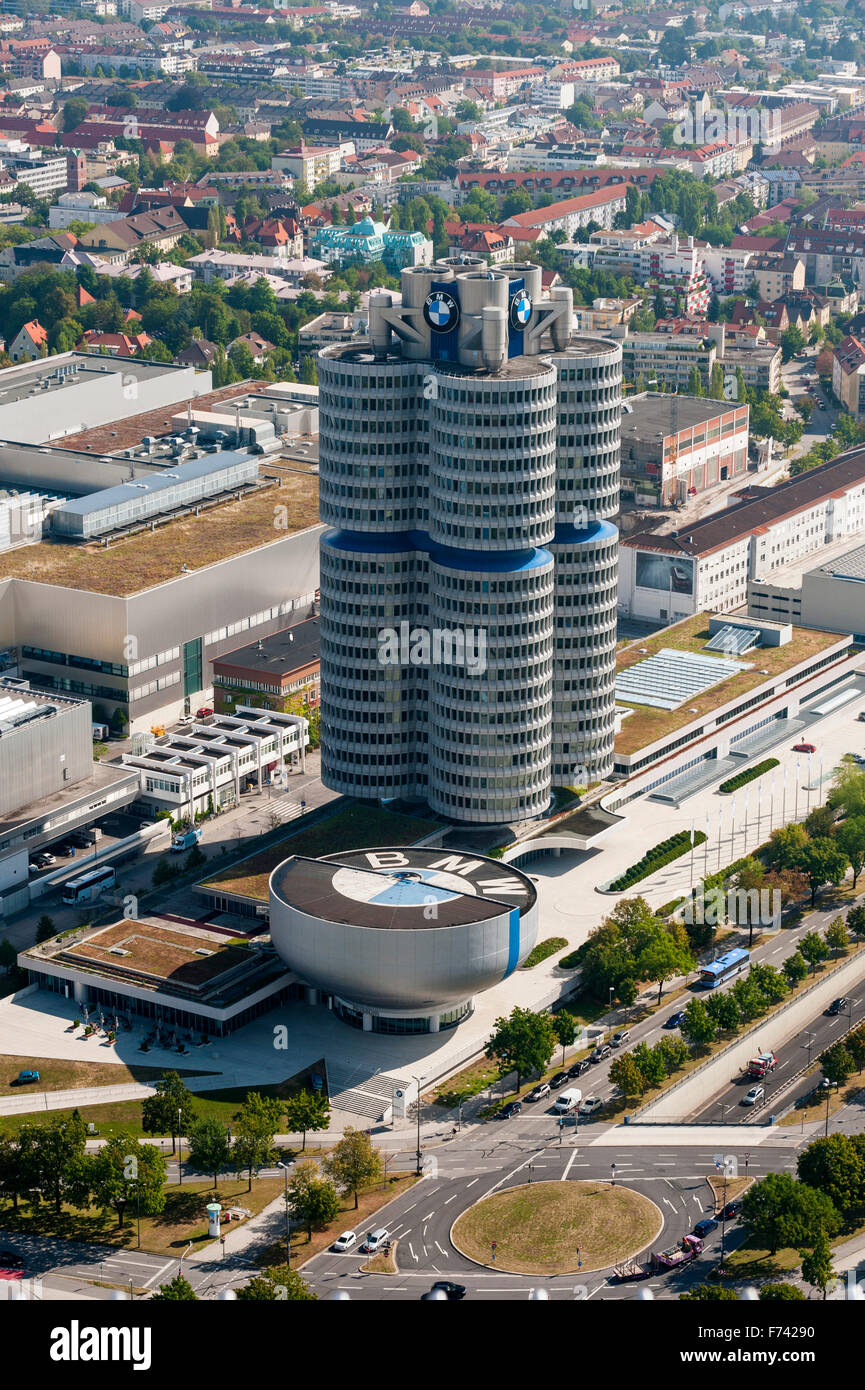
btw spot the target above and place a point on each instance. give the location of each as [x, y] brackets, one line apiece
[675, 446]
[280, 672]
[848, 375]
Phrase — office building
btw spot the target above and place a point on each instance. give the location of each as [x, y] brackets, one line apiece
[469, 465]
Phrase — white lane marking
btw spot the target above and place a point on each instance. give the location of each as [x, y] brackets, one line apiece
[441, 1247]
[569, 1165]
[451, 1199]
[411, 1208]
[159, 1273]
[472, 1183]
[520, 1166]
[411, 1248]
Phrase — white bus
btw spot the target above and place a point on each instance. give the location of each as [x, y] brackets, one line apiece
[88, 886]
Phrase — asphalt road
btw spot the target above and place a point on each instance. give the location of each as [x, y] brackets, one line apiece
[821, 1032]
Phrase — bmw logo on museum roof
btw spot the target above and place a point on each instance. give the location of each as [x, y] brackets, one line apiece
[521, 309]
[441, 311]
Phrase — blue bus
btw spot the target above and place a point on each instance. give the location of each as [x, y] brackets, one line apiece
[724, 968]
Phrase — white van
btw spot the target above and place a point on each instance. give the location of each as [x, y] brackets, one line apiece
[100, 733]
[568, 1101]
[376, 1239]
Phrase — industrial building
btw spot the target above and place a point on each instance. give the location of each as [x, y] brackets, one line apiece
[49, 783]
[276, 671]
[830, 596]
[676, 446]
[401, 940]
[709, 565]
[469, 464]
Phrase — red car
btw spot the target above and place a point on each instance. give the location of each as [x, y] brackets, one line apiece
[804, 748]
[204, 713]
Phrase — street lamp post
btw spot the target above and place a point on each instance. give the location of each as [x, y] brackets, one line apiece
[810, 1037]
[284, 1167]
[417, 1080]
[179, 1148]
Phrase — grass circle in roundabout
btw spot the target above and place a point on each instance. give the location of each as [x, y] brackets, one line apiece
[548, 1227]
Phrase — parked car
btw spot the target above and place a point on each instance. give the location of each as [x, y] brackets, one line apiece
[755, 1096]
[621, 1037]
[538, 1092]
[204, 713]
[731, 1211]
[25, 1078]
[675, 1020]
[38, 862]
[512, 1108]
[568, 1101]
[804, 748]
[601, 1053]
[344, 1242]
[558, 1080]
[578, 1069]
[590, 1107]
[186, 719]
[449, 1289]
[65, 849]
[837, 1005]
[703, 1227]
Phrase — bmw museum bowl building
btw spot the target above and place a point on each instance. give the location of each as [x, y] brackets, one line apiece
[402, 939]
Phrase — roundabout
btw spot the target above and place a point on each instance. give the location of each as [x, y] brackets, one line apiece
[557, 1227]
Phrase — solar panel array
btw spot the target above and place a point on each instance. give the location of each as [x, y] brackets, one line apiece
[668, 679]
[734, 640]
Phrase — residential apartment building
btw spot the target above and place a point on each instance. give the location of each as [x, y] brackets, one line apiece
[848, 375]
[309, 164]
[569, 215]
[778, 276]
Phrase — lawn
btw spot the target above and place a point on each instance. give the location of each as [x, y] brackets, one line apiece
[124, 1116]
[644, 725]
[182, 1220]
[752, 1260]
[56, 1075]
[547, 1227]
[354, 827]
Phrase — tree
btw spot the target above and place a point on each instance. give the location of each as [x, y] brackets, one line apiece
[565, 1029]
[796, 967]
[308, 1111]
[177, 1290]
[786, 845]
[626, 1074]
[695, 385]
[312, 1198]
[74, 112]
[169, 1110]
[837, 935]
[724, 1011]
[523, 1042]
[850, 836]
[698, 1026]
[778, 1293]
[835, 1164]
[126, 1170]
[856, 920]
[256, 1125]
[822, 862]
[716, 388]
[278, 1284]
[652, 1062]
[517, 201]
[817, 1265]
[55, 1156]
[837, 1064]
[769, 981]
[855, 1045]
[353, 1163]
[709, 1293]
[666, 953]
[820, 822]
[209, 1148]
[779, 1211]
[813, 948]
[748, 998]
[848, 792]
[45, 928]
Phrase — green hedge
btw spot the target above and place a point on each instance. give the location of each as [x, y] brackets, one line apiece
[657, 858]
[544, 949]
[748, 774]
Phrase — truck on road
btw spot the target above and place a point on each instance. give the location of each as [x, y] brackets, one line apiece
[762, 1064]
[183, 840]
[659, 1261]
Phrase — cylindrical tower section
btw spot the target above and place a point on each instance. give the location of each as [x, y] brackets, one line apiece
[490, 693]
[373, 695]
[372, 454]
[492, 456]
[584, 657]
[586, 555]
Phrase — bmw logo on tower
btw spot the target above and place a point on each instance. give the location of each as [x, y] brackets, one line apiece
[441, 311]
[521, 310]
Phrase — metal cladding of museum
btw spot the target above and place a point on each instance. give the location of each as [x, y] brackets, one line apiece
[400, 940]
